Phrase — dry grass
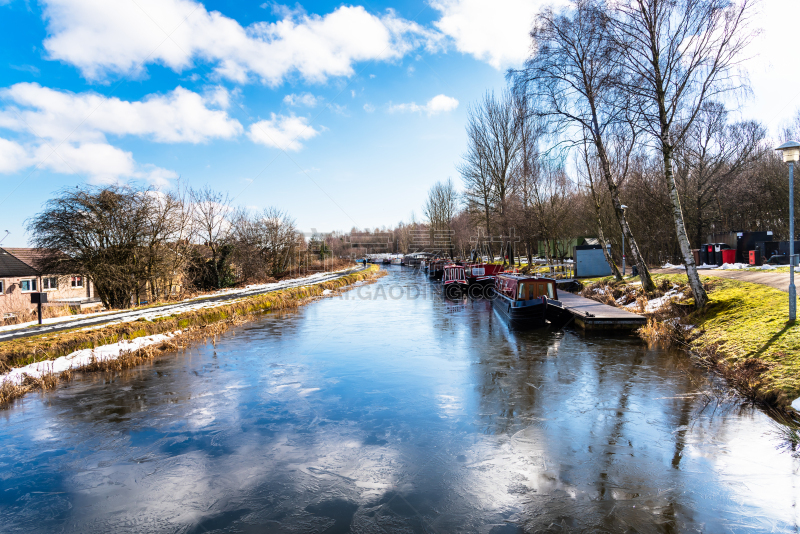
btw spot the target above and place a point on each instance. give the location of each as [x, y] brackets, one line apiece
[200, 324]
[665, 326]
[24, 316]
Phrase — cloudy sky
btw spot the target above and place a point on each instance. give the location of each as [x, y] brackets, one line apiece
[342, 114]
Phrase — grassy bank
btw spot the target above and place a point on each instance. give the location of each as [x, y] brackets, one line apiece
[201, 323]
[742, 333]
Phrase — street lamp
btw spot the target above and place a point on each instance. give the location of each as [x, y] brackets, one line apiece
[791, 153]
[623, 208]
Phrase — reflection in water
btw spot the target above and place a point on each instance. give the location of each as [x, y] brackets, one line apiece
[409, 415]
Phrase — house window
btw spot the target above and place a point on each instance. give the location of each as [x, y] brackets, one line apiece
[2, 288]
[27, 285]
[49, 284]
[76, 281]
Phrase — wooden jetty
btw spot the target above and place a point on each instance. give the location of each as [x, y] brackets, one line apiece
[592, 315]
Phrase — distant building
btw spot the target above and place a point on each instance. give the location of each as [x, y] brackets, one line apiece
[21, 273]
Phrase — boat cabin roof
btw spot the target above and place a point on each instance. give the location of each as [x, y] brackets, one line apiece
[519, 277]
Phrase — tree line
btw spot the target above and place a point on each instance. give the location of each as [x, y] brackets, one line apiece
[139, 244]
[617, 125]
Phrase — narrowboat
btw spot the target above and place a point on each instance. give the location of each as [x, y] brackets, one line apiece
[524, 299]
[454, 280]
[436, 269]
[482, 273]
[397, 260]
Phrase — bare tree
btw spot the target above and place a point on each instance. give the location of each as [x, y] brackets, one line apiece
[163, 252]
[281, 240]
[210, 211]
[713, 153]
[574, 79]
[97, 232]
[589, 164]
[492, 153]
[265, 243]
[440, 210]
[552, 195]
[679, 54]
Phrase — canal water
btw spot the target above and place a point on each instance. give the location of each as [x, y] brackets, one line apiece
[392, 410]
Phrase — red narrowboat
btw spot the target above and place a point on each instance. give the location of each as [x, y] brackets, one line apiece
[454, 280]
[523, 299]
[482, 273]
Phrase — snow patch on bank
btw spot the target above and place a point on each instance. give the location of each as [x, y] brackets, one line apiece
[668, 265]
[735, 266]
[82, 358]
[657, 303]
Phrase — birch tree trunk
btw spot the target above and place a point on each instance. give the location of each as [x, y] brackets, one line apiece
[600, 236]
[699, 292]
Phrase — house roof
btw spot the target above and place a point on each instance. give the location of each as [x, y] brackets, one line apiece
[31, 256]
[11, 266]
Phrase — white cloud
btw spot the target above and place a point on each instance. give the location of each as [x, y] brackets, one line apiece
[437, 104]
[13, 156]
[282, 131]
[496, 32]
[102, 162]
[178, 116]
[101, 38]
[338, 109]
[156, 175]
[66, 132]
[303, 99]
[369, 108]
[99, 162]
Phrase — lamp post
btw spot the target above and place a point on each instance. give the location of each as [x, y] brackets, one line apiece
[791, 153]
[623, 208]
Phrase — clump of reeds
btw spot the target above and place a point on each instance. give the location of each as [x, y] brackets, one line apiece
[787, 429]
[666, 325]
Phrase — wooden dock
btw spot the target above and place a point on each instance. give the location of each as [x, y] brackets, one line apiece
[592, 315]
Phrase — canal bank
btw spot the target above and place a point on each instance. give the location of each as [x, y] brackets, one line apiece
[378, 414]
[742, 333]
[40, 362]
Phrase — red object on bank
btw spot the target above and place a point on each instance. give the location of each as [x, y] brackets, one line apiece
[728, 256]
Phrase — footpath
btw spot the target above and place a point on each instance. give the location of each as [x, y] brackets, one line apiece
[775, 280]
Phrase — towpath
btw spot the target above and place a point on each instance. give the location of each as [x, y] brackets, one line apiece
[767, 278]
[96, 320]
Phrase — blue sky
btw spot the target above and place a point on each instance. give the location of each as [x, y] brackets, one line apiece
[342, 114]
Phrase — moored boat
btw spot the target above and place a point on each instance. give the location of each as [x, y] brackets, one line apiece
[524, 299]
[482, 273]
[436, 269]
[454, 280]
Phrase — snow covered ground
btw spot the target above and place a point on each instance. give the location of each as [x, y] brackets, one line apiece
[670, 266]
[212, 300]
[725, 266]
[82, 358]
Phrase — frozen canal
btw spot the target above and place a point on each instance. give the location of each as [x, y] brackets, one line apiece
[390, 414]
